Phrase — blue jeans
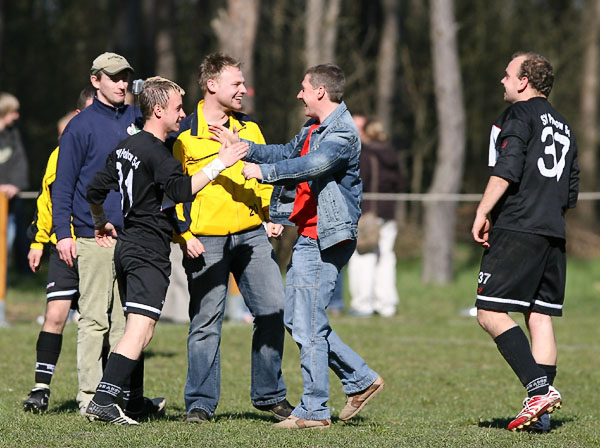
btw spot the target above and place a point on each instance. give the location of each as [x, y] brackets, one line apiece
[250, 258]
[311, 279]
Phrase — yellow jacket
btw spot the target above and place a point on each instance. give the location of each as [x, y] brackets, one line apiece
[40, 230]
[229, 204]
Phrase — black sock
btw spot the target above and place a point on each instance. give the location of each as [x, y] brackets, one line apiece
[117, 372]
[48, 350]
[133, 390]
[550, 372]
[514, 347]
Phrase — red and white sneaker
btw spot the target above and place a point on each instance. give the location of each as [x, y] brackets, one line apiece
[534, 407]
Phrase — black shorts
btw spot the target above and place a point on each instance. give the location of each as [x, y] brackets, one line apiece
[63, 281]
[143, 277]
[522, 272]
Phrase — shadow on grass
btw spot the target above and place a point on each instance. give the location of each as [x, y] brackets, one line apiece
[160, 354]
[66, 406]
[502, 423]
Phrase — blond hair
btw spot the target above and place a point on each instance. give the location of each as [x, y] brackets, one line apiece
[157, 91]
[8, 103]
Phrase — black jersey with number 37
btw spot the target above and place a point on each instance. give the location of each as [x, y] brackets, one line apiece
[143, 169]
[533, 147]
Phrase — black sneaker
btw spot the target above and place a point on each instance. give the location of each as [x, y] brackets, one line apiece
[151, 409]
[37, 400]
[280, 411]
[197, 415]
[111, 413]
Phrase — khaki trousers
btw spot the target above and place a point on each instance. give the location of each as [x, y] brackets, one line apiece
[101, 322]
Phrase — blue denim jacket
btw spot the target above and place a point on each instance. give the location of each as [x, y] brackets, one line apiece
[331, 168]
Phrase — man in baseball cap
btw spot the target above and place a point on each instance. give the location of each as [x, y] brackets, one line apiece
[110, 63]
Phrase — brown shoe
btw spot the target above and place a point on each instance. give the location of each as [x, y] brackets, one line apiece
[293, 422]
[355, 402]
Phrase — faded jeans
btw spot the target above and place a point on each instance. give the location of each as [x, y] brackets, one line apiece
[311, 279]
[250, 258]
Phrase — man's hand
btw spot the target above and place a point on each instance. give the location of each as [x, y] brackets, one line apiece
[252, 171]
[67, 250]
[194, 248]
[481, 230]
[104, 235]
[10, 191]
[223, 135]
[230, 153]
[34, 256]
[274, 230]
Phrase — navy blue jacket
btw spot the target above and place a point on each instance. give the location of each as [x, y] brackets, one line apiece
[84, 146]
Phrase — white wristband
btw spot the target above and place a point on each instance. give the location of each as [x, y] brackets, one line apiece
[213, 169]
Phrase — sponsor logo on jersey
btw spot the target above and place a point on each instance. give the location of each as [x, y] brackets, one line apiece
[132, 129]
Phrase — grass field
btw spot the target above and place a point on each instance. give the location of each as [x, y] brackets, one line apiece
[446, 384]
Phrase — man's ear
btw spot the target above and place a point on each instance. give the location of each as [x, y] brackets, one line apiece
[211, 85]
[321, 92]
[523, 83]
[158, 110]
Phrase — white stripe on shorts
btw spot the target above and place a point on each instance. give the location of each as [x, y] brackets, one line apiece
[499, 300]
[548, 305]
[70, 292]
[142, 307]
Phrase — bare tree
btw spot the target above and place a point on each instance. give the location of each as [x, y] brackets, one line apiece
[440, 217]
[321, 31]
[386, 63]
[588, 133]
[235, 27]
[165, 49]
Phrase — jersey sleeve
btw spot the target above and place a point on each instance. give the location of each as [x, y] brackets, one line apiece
[41, 227]
[105, 180]
[511, 147]
[70, 159]
[169, 175]
[183, 220]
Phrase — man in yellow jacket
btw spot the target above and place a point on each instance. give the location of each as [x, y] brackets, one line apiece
[62, 289]
[226, 219]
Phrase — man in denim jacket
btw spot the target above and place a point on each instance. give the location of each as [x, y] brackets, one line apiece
[322, 163]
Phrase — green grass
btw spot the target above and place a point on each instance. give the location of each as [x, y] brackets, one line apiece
[446, 384]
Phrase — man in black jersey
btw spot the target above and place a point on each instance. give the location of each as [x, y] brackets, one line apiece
[143, 169]
[534, 180]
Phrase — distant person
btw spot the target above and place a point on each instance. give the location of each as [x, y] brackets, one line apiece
[520, 222]
[372, 273]
[147, 175]
[14, 168]
[226, 218]
[62, 288]
[322, 161]
[86, 142]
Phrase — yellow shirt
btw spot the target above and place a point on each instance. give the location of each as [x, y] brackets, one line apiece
[229, 204]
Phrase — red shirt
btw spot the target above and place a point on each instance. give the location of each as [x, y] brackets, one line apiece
[304, 214]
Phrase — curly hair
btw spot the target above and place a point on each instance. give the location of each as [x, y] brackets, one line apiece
[538, 71]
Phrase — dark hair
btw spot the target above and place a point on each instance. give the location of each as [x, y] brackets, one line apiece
[87, 93]
[212, 66]
[329, 76]
[538, 71]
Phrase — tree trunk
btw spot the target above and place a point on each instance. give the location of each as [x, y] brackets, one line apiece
[440, 217]
[235, 27]
[164, 47]
[386, 63]
[321, 31]
[588, 134]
